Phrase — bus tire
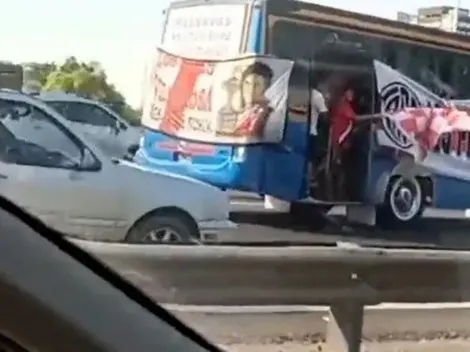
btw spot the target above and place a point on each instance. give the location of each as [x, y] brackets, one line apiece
[403, 205]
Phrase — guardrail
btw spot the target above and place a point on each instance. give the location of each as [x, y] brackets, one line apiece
[346, 279]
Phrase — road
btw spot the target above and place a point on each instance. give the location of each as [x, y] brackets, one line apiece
[386, 322]
[257, 225]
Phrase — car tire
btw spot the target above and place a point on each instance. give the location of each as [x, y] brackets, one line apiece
[403, 204]
[174, 228]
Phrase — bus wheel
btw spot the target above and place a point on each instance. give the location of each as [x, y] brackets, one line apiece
[403, 205]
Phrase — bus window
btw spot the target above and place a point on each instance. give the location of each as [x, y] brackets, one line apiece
[462, 79]
[315, 38]
[420, 64]
[445, 63]
[389, 55]
[445, 74]
[298, 90]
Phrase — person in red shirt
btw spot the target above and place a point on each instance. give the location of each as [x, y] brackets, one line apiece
[343, 118]
[342, 121]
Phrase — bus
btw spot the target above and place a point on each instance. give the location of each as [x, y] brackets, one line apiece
[318, 39]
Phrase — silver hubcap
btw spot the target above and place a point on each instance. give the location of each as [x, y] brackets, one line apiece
[162, 235]
[405, 198]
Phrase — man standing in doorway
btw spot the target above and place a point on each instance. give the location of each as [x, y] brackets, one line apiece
[343, 117]
[318, 112]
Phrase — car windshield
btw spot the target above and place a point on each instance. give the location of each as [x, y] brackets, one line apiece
[30, 137]
[84, 113]
[299, 184]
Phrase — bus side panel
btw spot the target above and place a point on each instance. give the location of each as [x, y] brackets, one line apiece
[286, 166]
[285, 171]
[250, 159]
[451, 193]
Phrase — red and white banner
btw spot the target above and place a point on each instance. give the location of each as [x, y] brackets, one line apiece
[413, 116]
[236, 101]
[424, 126]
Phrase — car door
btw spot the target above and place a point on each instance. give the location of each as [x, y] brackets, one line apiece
[41, 169]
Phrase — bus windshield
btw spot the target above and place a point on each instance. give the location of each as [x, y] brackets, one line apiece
[207, 30]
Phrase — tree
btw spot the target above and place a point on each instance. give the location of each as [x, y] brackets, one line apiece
[36, 73]
[86, 79]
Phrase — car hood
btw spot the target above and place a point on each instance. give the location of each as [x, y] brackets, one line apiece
[164, 173]
[201, 199]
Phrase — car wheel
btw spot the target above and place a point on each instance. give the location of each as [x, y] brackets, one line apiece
[164, 229]
[404, 203]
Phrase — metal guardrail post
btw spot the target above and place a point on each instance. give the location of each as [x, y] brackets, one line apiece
[344, 329]
[346, 318]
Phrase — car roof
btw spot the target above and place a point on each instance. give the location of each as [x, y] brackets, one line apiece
[62, 96]
[9, 94]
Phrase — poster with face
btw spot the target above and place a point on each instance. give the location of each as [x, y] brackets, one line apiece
[235, 101]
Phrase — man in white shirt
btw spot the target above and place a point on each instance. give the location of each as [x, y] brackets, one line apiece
[318, 110]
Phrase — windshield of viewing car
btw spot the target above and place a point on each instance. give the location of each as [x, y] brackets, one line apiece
[252, 243]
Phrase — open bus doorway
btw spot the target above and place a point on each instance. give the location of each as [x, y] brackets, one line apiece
[340, 166]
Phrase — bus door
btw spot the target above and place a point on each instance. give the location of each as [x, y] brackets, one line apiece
[341, 160]
[285, 164]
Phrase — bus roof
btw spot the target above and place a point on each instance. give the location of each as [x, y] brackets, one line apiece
[188, 3]
[371, 25]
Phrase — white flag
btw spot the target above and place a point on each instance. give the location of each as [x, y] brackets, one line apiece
[398, 91]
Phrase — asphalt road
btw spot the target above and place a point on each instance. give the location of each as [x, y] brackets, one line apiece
[257, 225]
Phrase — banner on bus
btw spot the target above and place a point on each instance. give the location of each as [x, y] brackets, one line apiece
[415, 118]
[425, 126]
[235, 101]
[398, 91]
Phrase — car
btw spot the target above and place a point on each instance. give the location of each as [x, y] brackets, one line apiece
[97, 121]
[55, 173]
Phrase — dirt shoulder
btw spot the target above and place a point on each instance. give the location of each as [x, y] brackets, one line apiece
[392, 346]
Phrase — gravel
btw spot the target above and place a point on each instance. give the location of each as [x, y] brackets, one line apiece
[457, 345]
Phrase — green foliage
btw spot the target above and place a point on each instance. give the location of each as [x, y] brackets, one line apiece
[86, 79]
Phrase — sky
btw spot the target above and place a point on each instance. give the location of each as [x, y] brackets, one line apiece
[120, 34]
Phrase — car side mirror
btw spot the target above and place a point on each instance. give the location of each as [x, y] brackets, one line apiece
[122, 126]
[131, 150]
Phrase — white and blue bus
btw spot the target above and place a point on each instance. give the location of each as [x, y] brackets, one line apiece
[318, 38]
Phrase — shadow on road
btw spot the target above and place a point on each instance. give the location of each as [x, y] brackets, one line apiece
[428, 233]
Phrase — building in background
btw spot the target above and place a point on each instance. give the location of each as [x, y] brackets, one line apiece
[447, 18]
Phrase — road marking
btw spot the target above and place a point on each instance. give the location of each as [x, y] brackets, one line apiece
[306, 309]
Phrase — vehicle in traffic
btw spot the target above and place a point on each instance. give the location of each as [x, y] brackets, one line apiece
[99, 123]
[55, 173]
[418, 67]
[11, 75]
